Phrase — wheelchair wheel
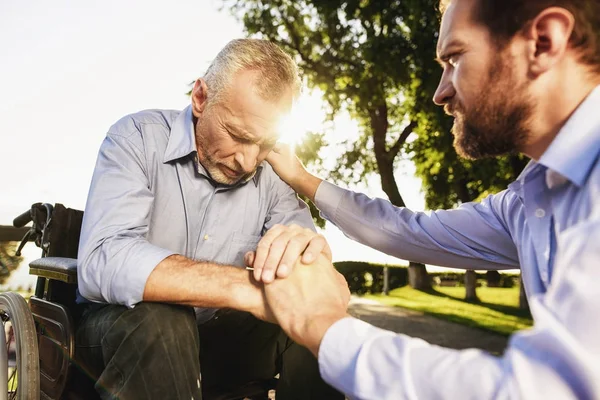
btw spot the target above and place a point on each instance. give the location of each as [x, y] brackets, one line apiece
[21, 346]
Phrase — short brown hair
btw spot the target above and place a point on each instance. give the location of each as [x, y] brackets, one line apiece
[505, 18]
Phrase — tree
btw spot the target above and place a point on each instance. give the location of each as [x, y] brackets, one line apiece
[470, 286]
[8, 261]
[375, 59]
[523, 303]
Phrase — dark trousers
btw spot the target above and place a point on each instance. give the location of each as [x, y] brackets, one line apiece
[154, 351]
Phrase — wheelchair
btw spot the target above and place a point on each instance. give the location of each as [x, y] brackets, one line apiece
[39, 360]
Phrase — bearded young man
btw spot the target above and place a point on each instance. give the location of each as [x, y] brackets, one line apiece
[519, 76]
[176, 199]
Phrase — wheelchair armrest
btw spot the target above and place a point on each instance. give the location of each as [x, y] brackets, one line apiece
[59, 268]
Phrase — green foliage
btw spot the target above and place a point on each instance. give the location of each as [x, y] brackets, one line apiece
[375, 59]
[364, 56]
[364, 277]
[8, 261]
[448, 180]
[458, 279]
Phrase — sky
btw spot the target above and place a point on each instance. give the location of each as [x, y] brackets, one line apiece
[70, 69]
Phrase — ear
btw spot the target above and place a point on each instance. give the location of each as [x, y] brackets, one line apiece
[548, 38]
[199, 96]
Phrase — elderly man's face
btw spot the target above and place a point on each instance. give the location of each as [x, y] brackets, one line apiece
[235, 135]
[482, 87]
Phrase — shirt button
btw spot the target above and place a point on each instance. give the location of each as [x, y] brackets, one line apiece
[540, 213]
[205, 237]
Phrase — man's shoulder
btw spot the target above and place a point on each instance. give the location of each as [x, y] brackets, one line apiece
[138, 122]
[268, 176]
[269, 180]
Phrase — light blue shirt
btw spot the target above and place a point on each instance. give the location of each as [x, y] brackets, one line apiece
[548, 223]
[149, 199]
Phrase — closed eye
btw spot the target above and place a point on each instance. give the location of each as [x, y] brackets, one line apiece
[239, 139]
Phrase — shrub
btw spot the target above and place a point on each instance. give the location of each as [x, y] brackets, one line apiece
[364, 277]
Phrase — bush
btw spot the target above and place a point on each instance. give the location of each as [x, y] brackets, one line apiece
[364, 277]
[508, 281]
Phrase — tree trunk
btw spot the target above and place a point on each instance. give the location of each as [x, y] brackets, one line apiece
[417, 273]
[523, 303]
[493, 278]
[418, 278]
[386, 281]
[471, 285]
[388, 182]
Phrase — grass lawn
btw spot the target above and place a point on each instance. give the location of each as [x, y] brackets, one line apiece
[498, 310]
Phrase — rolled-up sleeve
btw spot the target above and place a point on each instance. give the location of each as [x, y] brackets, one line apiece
[475, 235]
[115, 259]
[558, 359]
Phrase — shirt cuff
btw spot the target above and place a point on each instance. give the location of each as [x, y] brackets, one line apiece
[328, 198]
[130, 283]
[340, 348]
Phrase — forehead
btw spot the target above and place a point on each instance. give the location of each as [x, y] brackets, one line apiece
[248, 110]
[458, 24]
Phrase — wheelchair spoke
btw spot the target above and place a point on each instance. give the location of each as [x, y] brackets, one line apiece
[13, 378]
[9, 338]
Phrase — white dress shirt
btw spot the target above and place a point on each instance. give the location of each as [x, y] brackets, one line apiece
[547, 223]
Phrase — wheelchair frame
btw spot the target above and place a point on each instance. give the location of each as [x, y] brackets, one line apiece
[49, 362]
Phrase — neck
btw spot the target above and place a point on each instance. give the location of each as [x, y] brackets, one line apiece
[556, 102]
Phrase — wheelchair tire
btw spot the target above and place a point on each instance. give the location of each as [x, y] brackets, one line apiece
[19, 328]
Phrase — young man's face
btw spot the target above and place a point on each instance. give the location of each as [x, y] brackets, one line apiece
[235, 135]
[483, 86]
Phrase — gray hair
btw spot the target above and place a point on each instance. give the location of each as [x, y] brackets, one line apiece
[277, 70]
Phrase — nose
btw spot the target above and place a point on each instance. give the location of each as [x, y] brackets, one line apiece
[445, 90]
[247, 157]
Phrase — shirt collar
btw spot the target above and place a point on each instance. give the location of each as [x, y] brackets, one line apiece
[575, 149]
[182, 142]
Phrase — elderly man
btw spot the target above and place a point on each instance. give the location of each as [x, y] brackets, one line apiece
[522, 76]
[176, 200]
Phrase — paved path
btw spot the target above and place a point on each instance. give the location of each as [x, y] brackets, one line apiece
[433, 330]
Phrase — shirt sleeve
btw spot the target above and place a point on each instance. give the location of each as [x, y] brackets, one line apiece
[115, 259]
[286, 207]
[558, 358]
[473, 236]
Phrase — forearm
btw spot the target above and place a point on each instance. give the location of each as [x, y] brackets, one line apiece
[369, 363]
[468, 237]
[201, 284]
[306, 184]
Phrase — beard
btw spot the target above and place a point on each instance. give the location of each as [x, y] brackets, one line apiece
[213, 165]
[498, 122]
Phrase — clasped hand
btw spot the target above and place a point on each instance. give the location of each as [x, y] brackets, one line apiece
[280, 248]
[313, 295]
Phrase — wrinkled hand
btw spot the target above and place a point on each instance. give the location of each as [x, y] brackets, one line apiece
[279, 249]
[285, 164]
[309, 301]
[256, 303]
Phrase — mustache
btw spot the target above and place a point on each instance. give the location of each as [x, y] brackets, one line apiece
[450, 109]
[235, 169]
